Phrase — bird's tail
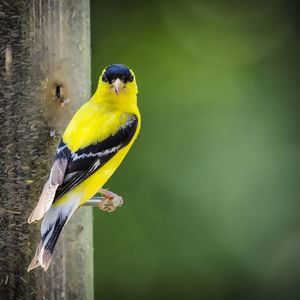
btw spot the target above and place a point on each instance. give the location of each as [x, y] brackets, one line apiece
[53, 223]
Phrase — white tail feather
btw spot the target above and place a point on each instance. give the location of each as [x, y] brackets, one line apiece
[54, 221]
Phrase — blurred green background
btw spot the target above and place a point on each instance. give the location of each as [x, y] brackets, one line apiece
[211, 187]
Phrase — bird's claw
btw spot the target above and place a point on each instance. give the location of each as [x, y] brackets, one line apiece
[110, 201]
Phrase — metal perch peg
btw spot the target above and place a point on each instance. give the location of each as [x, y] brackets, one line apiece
[109, 202]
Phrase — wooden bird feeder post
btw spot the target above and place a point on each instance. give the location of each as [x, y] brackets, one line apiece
[44, 78]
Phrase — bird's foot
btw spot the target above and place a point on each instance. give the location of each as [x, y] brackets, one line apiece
[110, 201]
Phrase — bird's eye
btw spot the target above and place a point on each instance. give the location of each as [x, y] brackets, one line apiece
[104, 78]
[131, 78]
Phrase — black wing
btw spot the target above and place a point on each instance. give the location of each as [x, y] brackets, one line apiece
[85, 161]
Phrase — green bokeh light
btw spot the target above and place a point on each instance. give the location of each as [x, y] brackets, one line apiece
[211, 187]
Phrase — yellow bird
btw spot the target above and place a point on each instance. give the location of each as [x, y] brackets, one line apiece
[92, 147]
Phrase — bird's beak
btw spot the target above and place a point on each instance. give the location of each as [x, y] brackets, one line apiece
[117, 86]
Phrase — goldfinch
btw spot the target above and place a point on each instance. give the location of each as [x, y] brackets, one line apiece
[92, 147]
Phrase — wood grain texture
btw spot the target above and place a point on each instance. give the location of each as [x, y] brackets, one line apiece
[44, 78]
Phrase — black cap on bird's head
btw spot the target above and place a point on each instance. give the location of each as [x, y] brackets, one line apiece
[112, 72]
[117, 76]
